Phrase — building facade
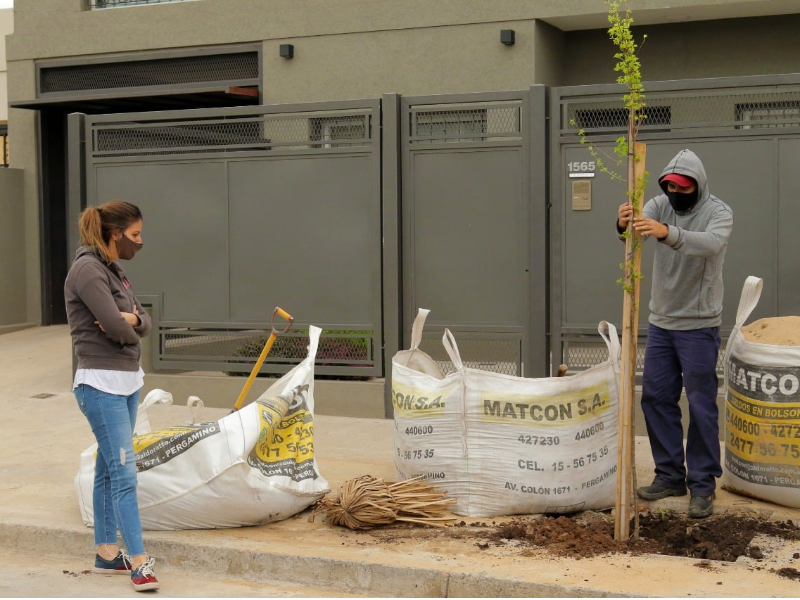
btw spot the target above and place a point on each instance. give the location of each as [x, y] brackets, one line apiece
[133, 57]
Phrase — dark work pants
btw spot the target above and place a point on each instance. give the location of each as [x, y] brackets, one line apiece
[676, 359]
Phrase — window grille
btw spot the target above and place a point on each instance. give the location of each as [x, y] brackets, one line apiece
[338, 132]
[759, 115]
[687, 111]
[245, 132]
[471, 124]
[459, 123]
[655, 118]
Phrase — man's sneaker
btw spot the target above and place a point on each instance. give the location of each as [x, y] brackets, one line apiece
[656, 491]
[701, 506]
[119, 565]
[143, 577]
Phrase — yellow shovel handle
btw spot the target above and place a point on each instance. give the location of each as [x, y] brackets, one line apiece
[284, 315]
[267, 347]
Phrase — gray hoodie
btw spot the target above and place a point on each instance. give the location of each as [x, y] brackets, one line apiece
[687, 269]
[95, 291]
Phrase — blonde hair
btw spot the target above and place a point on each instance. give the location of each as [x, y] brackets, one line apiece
[97, 223]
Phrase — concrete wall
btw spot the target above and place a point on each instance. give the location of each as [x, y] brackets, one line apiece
[548, 54]
[452, 59]
[22, 139]
[726, 48]
[13, 292]
[180, 24]
[13, 277]
[6, 27]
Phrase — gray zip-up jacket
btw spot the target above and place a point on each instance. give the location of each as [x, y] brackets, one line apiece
[687, 269]
[95, 291]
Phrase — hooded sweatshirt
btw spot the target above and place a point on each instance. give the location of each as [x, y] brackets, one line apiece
[96, 291]
[687, 269]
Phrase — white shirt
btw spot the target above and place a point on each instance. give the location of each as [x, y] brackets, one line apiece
[120, 383]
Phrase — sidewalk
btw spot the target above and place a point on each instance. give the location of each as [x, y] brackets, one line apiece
[43, 437]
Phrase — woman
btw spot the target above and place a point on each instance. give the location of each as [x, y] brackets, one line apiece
[107, 322]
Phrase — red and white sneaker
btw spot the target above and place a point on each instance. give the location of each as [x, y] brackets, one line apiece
[143, 577]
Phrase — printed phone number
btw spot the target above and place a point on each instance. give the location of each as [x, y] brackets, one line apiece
[767, 449]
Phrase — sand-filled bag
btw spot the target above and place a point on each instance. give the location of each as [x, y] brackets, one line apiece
[762, 407]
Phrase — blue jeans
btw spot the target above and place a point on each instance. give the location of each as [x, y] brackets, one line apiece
[112, 419]
[673, 360]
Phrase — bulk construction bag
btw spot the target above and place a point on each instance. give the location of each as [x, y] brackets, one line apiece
[503, 445]
[762, 409]
[252, 467]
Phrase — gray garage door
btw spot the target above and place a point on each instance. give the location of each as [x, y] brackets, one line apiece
[247, 209]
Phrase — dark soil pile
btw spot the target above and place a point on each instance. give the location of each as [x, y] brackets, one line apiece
[720, 537]
[723, 537]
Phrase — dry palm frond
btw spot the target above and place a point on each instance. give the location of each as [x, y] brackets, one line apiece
[367, 502]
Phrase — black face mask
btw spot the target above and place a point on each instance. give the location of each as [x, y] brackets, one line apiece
[682, 202]
[126, 247]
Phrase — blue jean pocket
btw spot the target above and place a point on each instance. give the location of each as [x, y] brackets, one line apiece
[80, 392]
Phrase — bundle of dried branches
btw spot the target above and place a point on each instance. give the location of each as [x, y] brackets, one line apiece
[367, 502]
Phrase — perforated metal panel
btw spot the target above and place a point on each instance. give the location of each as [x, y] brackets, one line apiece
[584, 355]
[709, 111]
[237, 350]
[234, 133]
[465, 123]
[495, 355]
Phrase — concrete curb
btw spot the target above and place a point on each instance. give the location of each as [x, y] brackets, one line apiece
[261, 566]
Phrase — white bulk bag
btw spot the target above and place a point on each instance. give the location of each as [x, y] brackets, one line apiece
[762, 413]
[503, 445]
[251, 467]
[429, 418]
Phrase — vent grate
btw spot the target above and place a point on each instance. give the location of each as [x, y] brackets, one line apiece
[458, 124]
[239, 67]
[233, 134]
[715, 111]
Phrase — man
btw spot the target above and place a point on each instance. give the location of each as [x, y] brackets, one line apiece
[692, 228]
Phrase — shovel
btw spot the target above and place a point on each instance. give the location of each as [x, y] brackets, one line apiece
[271, 340]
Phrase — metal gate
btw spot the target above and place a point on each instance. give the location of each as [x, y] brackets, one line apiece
[747, 133]
[246, 209]
[474, 226]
